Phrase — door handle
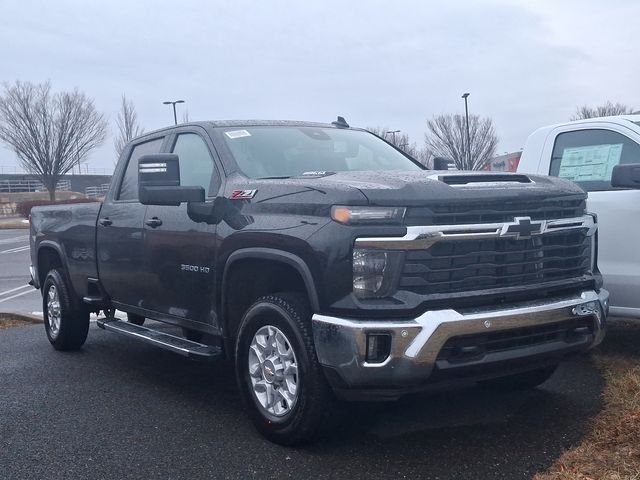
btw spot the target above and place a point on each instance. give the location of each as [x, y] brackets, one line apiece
[105, 222]
[154, 222]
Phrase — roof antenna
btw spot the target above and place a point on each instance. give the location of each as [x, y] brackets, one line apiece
[340, 123]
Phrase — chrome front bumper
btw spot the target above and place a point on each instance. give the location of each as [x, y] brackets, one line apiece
[415, 343]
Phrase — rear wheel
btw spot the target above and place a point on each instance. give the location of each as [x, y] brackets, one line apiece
[278, 373]
[521, 381]
[65, 320]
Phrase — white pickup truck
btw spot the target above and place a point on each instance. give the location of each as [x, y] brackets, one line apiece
[602, 155]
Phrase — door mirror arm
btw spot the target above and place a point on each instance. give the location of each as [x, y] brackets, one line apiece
[205, 212]
[221, 209]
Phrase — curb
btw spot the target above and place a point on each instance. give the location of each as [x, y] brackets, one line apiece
[25, 317]
[13, 222]
[14, 226]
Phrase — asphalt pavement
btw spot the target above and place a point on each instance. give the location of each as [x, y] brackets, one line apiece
[15, 294]
[122, 409]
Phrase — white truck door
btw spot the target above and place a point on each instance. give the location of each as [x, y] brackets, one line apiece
[586, 154]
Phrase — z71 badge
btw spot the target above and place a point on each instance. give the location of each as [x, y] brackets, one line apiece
[243, 194]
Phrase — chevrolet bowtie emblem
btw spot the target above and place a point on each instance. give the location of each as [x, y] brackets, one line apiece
[522, 227]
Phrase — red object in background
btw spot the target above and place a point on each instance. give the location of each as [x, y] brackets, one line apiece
[504, 163]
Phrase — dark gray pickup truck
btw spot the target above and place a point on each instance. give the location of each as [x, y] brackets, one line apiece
[325, 264]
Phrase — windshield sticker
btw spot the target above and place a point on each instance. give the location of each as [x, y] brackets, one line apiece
[237, 134]
[593, 162]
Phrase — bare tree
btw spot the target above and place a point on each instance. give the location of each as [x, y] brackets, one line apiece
[447, 137]
[50, 132]
[128, 126]
[185, 117]
[605, 110]
[403, 142]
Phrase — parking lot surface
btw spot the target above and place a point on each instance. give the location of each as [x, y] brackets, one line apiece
[15, 294]
[120, 409]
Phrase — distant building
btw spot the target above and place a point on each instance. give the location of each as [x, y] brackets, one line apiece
[504, 163]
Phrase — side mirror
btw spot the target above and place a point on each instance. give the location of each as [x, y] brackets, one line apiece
[440, 163]
[626, 176]
[159, 181]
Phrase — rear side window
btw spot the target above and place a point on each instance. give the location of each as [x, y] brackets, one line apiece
[587, 157]
[129, 185]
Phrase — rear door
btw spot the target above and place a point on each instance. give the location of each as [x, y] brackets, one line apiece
[587, 156]
[180, 252]
[120, 236]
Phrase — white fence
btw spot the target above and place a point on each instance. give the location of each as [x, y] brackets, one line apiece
[99, 191]
[83, 170]
[11, 186]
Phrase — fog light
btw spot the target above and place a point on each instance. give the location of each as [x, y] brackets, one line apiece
[378, 347]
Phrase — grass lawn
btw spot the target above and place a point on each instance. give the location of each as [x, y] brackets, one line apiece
[611, 449]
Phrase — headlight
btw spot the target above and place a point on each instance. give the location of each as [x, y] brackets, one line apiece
[374, 272]
[351, 215]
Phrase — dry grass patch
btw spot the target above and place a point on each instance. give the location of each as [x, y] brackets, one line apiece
[611, 449]
[11, 322]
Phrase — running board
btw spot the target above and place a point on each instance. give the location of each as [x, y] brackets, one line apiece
[173, 343]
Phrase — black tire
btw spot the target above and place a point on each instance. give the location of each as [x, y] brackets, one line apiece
[73, 327]
[521, 381]
[135, 319]
[311, 413]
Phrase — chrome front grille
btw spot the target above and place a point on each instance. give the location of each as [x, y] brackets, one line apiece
[466, 265]
[445, 259]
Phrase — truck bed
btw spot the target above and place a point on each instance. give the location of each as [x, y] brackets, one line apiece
[71, 229]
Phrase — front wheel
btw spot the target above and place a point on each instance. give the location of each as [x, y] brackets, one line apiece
[278, 373]
[65, 322]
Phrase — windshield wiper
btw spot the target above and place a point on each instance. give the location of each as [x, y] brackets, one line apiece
[272, 178]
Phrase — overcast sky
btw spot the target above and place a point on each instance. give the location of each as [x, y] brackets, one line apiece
[385, 63]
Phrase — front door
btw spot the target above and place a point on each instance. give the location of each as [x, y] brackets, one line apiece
[180, 252]
[120, 232]
[587, 156]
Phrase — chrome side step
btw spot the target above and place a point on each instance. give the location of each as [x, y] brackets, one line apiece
[173, 343]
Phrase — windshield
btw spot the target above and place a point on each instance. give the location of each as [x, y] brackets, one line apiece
[263, 152]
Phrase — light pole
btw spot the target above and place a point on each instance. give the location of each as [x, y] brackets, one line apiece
[393, 132]
[175, 118]
[466, 113]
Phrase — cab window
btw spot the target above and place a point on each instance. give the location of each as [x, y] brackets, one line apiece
[196, 162]
[129, 184]
[587, 157]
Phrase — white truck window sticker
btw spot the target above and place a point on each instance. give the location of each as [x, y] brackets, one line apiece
[592, 162]
[237, 134]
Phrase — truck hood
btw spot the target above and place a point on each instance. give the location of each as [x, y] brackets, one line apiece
[402, 188]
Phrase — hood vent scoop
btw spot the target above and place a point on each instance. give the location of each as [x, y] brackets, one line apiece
[483, 179]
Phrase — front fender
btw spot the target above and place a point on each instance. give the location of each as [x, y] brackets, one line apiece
[272, 254]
